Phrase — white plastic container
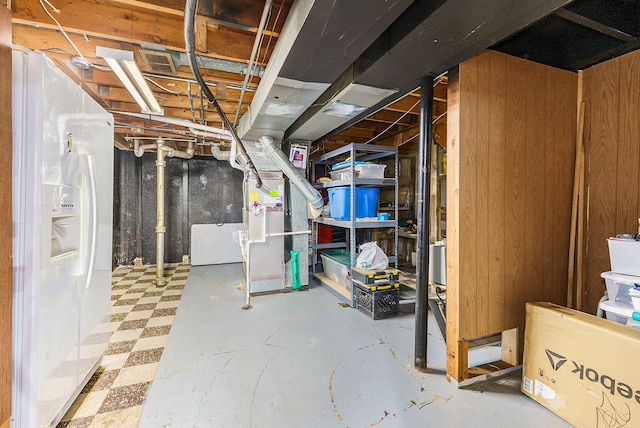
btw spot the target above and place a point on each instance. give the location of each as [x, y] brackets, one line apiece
[623, 290]
[343, 174]
[619, 314]
[333, 263]
[624, 255]
[370, 170]
[438, 262]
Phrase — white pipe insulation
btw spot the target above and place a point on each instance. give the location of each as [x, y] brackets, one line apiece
[315, 201]
[222, 155]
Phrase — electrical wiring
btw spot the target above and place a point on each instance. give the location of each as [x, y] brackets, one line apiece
[396, 121]
[408, 139]
[266, 50]
[66, 36]
[180, 92]
[273, 29]
[62, 30]
[57, 49]
[433, 122]
[255, 51]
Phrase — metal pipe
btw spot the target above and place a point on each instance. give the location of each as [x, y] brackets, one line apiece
[218, 133]
[308, 191]
[423, 211]
[161, 154]
[160, 227]
[138, 149]
[252, 57]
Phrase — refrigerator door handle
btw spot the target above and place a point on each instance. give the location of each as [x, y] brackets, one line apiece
[91, 174]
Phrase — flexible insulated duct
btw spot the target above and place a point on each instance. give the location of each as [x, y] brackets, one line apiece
[280, 159]
[189, 18]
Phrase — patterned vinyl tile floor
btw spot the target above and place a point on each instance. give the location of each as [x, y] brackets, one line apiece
[141, 317]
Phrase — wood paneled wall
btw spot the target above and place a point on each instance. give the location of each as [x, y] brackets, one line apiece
[611, 91]
[511, 127]
[5, 215]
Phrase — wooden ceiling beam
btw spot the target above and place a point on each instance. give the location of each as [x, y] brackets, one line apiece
[132, 26]
[177, 10]
[53, 42]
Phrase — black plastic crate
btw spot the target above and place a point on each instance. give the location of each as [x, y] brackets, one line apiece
[377, 304]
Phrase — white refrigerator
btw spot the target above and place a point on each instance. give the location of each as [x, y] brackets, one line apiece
[62, 228]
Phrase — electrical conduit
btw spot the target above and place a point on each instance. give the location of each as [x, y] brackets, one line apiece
[189, 18]
[252, 57]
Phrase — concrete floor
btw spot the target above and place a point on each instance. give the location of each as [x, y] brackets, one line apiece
[302, 360]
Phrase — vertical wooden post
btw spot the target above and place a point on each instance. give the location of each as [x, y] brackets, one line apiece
[510, 347]
[5, 216]
[579, 166]
[434, 215]
[201, 35]
[454, 357]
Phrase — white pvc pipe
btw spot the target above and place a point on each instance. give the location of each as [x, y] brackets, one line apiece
[220, 154]
[139, 149]
[308, 191]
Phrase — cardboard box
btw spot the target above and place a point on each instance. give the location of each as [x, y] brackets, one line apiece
[581, 367]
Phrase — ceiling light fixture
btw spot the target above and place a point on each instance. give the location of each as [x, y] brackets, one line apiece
[342, 109]
[282, 109]
[123, 64]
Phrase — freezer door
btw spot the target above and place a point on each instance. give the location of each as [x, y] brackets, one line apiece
[97, 145]
[53, 230]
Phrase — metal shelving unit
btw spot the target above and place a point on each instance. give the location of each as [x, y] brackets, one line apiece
[354, 152]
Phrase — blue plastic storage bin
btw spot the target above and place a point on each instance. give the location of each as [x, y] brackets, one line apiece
[340, 199]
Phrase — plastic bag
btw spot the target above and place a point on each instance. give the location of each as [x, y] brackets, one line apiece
[372, 257]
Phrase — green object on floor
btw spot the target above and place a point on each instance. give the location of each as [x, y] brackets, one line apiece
[295, 270]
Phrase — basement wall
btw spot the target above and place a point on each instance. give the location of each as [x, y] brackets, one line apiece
[201, 190]
[511, 127]
[611, 91]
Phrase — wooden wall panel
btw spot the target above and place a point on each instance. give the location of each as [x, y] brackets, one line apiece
[601, 92]
[628, 171]
[454, 359]
[481, 166]
[563, 157]
[612, 144]
[496, 187]
[467, 203]
[515, 209]
[512, 194]
[5, 215]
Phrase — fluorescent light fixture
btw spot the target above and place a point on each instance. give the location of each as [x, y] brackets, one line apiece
[282, 109]
[123, 64]
[342, 110]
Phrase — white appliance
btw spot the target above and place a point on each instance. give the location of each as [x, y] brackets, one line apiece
[263, 218]
[62, 219]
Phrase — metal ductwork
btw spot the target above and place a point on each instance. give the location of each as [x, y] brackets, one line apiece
[313, 197]
[318, 42]
[366, 57]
